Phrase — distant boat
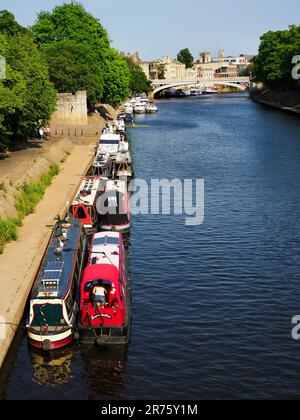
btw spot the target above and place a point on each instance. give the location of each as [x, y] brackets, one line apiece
[209, 91]
[196, 92]
[140, 108]
[151, 108]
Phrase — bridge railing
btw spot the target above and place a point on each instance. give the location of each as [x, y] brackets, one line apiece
[160, 82]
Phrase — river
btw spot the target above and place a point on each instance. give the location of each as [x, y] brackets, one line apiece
[213, 303]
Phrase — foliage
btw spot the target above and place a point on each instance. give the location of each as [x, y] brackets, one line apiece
[273, 64]
[138, 80]
[32, 193]
[8, 231]
[161, 71]
[26, 202]
[8, 25]
[186, 57]
[26, 94]
[74, 67]
[116, 78]
[75, 45]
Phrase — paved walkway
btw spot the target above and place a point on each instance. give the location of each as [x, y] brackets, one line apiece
[29, 151]
[21, 259]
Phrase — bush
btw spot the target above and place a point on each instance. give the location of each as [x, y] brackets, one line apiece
[8, 231]
[26, 202]
[32, 193]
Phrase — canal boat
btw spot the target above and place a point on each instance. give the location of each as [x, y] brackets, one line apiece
[55, 294]
[83, 207]
[103, 165]
[140, 108]
[105, 321]
[124, 168]
[108, 144]
[151, 108]
[115, 214]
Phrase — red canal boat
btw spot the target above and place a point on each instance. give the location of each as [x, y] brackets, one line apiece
[83, 207]
[105, 293]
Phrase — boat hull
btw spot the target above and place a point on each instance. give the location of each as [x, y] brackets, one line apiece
[50, 342]
[110, 228]
[114, 336]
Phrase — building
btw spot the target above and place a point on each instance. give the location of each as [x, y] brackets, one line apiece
[209, 68]
[171, 69]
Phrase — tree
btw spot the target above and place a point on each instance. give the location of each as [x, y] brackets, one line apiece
[75, 45]
[116, 78]
[138, 80]
[8, 24]
[273, 64]
[186, 57]
[26, 94]
[73, 67]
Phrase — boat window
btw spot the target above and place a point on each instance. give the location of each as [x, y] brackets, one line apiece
[70, 306]
[106, 240]
[91, 284]
[80, 214]
[91, 213]
[48, 315]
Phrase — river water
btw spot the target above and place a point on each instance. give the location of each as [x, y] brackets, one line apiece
[213, 303]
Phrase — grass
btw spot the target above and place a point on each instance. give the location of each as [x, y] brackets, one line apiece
[29, 196]
[8, 231]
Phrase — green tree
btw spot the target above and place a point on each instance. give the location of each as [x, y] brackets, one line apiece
[273, 64]
[8, 24]
[74, 67]
[116, 78]
[26, 94]
[70, 21]
[138, 80]
[186, 57]
[75, 45]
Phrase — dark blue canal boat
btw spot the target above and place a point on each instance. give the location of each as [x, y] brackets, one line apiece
[54, 297]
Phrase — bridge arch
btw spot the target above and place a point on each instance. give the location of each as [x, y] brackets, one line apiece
[162, 87]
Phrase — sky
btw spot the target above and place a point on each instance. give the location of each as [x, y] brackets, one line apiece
[159, 27]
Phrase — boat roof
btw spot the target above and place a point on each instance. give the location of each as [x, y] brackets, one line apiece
[105, 249]
[55, 275]
[88, 191]
[103, 272]
[110, 137]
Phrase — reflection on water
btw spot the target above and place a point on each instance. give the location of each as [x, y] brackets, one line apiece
[52, 369]
[103, 371]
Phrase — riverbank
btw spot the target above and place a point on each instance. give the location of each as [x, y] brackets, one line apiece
[21, 259]
[284, 101]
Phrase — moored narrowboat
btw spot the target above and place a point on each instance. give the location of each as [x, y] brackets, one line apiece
[105, 293]
[55, 294]
[115, 214]
[83, 207]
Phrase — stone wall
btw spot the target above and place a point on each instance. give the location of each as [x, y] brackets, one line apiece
[71, 109]
[28, 171]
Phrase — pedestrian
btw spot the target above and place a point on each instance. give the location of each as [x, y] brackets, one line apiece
[48, 132]
[41, 133]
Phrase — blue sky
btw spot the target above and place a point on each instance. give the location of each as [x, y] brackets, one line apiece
[159, 27]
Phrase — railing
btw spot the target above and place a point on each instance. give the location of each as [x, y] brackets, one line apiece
[160, 82]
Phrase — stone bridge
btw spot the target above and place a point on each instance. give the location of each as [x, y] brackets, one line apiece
[241, 83]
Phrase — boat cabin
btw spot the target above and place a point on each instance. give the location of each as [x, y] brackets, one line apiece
[108, 321]
[116, 207]
[55, 294]
[83, 207]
